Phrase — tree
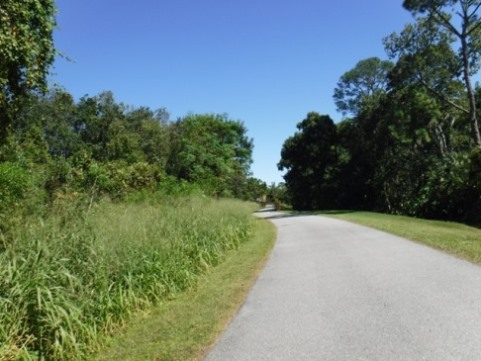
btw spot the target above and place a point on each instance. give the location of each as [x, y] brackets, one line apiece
[356, 162]
[54, 113]
[310, 159]
[152, 128]
[441, 23]
[211, 150]
[362, 85]
[95, 121]
[26, 51]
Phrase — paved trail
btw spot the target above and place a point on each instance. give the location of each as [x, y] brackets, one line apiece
[338, 291]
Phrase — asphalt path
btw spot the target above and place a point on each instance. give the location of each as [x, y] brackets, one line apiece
[333, 290]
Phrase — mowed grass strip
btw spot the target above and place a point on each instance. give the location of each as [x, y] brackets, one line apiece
[458, 239]
[184, 327]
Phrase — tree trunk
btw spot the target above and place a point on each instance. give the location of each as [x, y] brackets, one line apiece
[473, 118]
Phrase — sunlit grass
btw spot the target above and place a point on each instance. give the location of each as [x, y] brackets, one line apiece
[455, 238]
[65, 285]
[184, 327]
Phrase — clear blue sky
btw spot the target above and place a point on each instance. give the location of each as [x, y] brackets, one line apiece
[264, 62]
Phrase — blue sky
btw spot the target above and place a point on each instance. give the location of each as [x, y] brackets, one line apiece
[264, 62]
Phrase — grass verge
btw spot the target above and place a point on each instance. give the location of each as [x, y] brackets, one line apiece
[184, 327]
[68, 282]
[458, 239]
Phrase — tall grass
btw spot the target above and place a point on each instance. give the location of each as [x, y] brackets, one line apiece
[65, 285]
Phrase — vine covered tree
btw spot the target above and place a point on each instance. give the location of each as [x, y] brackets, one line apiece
[26, 51]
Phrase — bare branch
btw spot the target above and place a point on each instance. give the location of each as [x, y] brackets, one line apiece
[474, 11]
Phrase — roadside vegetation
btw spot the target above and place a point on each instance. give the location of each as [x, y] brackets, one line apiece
[409, 142]
[65, 286]
[458, 239]
[185, 327]
[105, 209]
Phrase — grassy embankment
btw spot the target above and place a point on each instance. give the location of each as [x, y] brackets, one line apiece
[183, 328]
[458, 239]
[67, 283]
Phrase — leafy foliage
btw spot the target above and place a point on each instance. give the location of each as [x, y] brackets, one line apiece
[412, 146]
[94, 218]
[212, 150]
[310, 160]
[453, 27]
[26, 51]
[362, 85]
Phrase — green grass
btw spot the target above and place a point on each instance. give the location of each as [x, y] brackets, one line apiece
[183, 328]
[66, 283]
[458, 239]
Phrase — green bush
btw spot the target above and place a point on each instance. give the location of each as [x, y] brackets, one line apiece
[19, 197]
[14, 183]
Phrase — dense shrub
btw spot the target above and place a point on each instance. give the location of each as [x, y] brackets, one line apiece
[20, 196]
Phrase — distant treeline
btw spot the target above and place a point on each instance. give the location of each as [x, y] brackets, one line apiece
[54, 149]
[105, 209]
[411, 142]
[58, 149]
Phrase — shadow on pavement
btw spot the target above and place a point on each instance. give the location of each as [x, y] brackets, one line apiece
[279, 215]
[337, 211]
[268, 213]
[266, 209]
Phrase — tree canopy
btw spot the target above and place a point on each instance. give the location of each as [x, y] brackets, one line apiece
[308, 157]
[449, 32]
[412, 145]
[210, 149]
[361, 85]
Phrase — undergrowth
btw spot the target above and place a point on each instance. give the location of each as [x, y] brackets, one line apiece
[66, 284]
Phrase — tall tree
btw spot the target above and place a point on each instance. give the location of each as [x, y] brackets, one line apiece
[26, 51]
[459, 20]
[361, 86]
[310, 159]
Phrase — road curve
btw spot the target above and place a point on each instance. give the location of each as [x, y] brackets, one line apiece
[333, 290]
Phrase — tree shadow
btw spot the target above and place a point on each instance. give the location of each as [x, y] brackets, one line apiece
[291, 214]
[336, 211]
[283, 215]
[266, 209]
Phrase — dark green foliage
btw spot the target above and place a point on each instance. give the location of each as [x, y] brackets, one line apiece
[94, 222]
[413, 144]
[211, 150]
[454, 27]
[310, 159]
[360, 87]
[69, 273]
[21, 197]
[356, 164]
[80, 152]
[99, 147]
